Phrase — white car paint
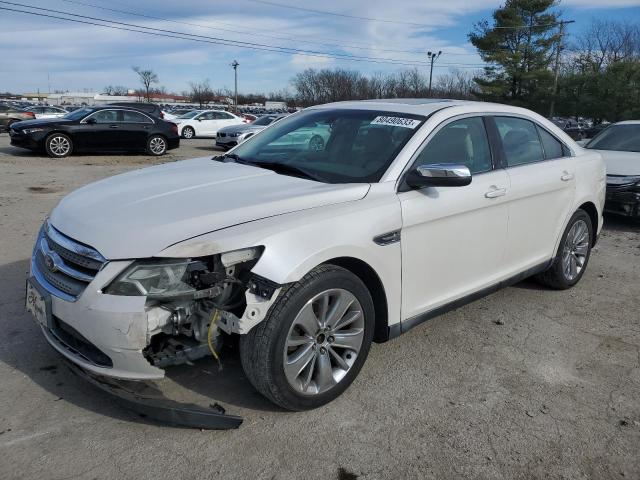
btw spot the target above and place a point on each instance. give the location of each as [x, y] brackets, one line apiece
[48, 112]
[621, 163]
[208, 122]
[454, 241]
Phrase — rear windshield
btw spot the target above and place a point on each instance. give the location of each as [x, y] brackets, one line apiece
[334, 145]
[623, 138]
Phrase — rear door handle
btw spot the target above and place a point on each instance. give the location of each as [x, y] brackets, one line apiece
[496, 192]
[114, 126]
[566, 176]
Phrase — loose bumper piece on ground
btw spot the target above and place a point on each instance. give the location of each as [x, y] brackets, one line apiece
[159, 408]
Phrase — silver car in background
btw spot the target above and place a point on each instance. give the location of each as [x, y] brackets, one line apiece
[231, 136]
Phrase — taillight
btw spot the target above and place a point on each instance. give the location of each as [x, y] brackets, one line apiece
[31, 114]
[174, 128]
[161, 114]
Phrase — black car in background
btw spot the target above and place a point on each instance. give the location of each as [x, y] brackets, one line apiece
[145, 107]
[106, 128]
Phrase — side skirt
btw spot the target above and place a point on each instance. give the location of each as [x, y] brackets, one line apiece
[405, 325]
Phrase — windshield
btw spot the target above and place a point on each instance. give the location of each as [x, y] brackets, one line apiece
[190, 114]
[623, 138]
[333, 145]
[263, 121]
[78, 114]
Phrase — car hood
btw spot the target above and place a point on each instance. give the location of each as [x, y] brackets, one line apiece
[44, 122]
[621, 163]
[138, 214]
[242, 128]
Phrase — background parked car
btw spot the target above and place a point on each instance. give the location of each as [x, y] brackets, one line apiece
[231, 136]
[205, 123]
[104, 128]
[47, 112]
[619, 145]
[9, 115]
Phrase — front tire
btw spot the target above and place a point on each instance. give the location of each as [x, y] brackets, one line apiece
[58, 145]
[313, 342]
[573, 254]
[188, 132]
[156, 145]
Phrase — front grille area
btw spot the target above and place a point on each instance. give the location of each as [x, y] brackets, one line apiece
[64, 267]
[222, 135]
[75, 343]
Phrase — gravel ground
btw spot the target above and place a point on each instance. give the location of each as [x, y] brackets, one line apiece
[526, 383]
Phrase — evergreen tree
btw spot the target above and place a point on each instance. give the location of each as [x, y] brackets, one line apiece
[519, 47]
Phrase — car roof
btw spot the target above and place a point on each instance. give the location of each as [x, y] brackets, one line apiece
[419, 106]
[628, 122]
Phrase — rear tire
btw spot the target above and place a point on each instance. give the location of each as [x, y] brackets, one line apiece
[58, 145]
[188, 132]
[156, 145]
[301, 365]
[573, 254]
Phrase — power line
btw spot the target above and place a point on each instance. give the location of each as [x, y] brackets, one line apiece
[336, 14]
[214, 40]
[371, 19]
[358, 46]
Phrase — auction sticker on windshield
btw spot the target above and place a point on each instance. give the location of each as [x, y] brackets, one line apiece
[396, 122]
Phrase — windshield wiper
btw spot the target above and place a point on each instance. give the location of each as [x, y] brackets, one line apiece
[285, 169]
[277, 167]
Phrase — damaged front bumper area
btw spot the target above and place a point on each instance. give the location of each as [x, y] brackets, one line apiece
[95, 318]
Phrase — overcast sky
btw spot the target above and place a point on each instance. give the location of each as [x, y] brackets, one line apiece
[39, 51]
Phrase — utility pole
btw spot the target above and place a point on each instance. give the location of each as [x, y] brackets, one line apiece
[556, 67]
[433, 56]
[235, 64]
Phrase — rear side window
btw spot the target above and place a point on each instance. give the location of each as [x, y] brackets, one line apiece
[520, 141]
[135, 117]
[462, 141]
[552, 146]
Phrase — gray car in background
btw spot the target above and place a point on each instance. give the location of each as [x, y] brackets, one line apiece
[231, 136]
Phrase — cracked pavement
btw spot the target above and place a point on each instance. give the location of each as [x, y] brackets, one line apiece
[527, 383]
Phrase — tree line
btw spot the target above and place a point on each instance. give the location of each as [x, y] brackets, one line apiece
[530, 62]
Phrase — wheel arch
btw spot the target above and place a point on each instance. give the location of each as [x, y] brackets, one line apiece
[592, 211]
[370, 278]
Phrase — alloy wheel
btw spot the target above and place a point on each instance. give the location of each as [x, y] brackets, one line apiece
[323, 341]
[157, 145]
[59, 146]
[575, 250]
[187, 133]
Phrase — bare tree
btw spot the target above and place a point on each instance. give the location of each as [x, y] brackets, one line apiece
[116, 90]
[147, 78]
[201, 93]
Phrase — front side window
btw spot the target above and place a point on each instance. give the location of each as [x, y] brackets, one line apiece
[623, 138]
[105, 116]
[226, 116]
[520, 141]
[206, 116]
[332, 145]
[188, 115]
[463, 142]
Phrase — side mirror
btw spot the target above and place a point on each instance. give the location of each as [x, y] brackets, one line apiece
[91, 121]
[439, 175]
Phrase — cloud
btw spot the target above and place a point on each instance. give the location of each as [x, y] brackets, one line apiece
[78, 56]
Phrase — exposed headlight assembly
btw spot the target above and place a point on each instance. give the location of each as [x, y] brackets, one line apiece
[170, 279]
[32, 130]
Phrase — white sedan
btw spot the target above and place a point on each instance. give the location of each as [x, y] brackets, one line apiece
[47, 112]
[205, 123]
[408, 209]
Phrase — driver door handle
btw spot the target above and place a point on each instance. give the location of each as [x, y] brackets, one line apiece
[114, 126]
[496, 192]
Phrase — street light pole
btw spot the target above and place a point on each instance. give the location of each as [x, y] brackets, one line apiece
[235, 64]
[433, 56]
